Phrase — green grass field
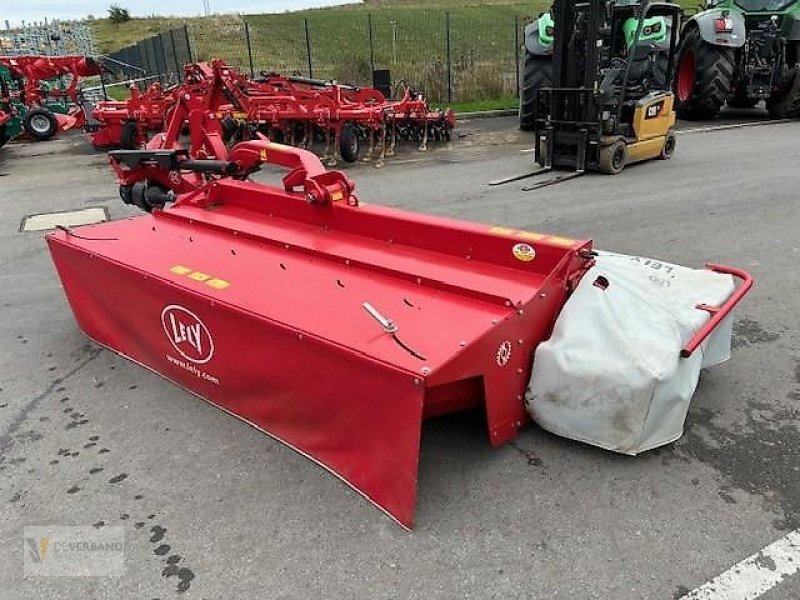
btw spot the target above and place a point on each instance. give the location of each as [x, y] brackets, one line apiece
[409, 37]
[111, 37]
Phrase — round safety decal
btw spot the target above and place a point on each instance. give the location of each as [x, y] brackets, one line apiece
[524, 252]
[503, 354]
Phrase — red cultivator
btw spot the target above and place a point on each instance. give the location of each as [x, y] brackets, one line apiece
[129, 123]
[295, 110]
[325, 323]
[299, 111]
[48, 107]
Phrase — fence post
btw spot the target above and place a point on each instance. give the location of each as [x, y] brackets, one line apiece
[449, 61]
[175, 53]
[139, 47]
[188, 43]
[308, 49]
[144, 57]
[371, 45]
[249, 49]
[163, 66]
[516, 51]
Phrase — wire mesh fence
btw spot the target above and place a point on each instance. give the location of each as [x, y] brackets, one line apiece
[55, 38]
[455, 55]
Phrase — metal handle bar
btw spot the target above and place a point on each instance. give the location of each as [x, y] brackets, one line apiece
[718, 313]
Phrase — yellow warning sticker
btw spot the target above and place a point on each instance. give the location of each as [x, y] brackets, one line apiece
[209, 280]
[262, 155]
[524, 252]
[336, 196]
[218, 284]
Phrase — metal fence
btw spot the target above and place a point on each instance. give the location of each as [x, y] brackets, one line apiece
[55, 38]
[161, 56]
[451, 56]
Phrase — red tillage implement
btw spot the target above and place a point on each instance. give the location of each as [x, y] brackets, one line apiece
[36, 70]
[333, 326]
[127, 123]
[298, 110]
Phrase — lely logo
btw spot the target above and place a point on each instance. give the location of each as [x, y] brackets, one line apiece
[187, 334]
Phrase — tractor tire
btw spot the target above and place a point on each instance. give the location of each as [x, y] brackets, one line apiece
[658, 75]
[3, 136]
[786, 105]
[703, 78]
[129, 138]
[40, 124]
[537, 73]
[349, 144]
[613, 157]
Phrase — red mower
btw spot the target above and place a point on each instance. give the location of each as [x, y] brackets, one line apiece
[328, 324]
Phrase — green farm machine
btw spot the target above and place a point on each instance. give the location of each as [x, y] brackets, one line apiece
[740, 52]
[734, 52]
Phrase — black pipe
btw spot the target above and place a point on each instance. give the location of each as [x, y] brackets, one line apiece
[214, 167]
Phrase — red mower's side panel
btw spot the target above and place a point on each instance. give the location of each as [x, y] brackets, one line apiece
[356, 417]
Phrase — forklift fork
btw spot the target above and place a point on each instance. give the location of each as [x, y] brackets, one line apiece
[580, 161]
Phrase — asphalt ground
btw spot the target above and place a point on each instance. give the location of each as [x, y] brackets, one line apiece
[212, 508]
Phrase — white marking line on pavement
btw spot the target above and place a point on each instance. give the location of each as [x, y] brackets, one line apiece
[710, 128]
[732, 126]
[756, 574]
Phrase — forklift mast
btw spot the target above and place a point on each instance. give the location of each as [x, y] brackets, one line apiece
[610, 103]
[576, 60]
[576, 57]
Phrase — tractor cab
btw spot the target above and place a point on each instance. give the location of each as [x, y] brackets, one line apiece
[640, 62]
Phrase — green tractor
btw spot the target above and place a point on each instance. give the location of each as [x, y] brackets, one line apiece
[536, 71]
[740, 52]
[537, 68]
[10, 123]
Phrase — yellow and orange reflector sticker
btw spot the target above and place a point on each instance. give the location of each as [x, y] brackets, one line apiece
[199, 276]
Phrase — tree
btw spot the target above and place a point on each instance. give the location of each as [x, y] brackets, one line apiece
[117, 14]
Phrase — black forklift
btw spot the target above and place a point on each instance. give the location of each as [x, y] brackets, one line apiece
[611, 101]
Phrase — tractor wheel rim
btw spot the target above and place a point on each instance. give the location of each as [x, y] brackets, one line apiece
[687, 69]
[40, 123]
